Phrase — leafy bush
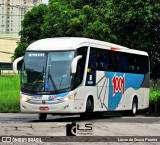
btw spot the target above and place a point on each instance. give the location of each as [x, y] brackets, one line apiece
[154, 96]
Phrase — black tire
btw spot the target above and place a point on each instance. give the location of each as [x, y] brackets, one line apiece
[89, 110]
[42, 116]
[133, 111]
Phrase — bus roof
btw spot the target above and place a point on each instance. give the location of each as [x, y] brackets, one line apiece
[72, 43]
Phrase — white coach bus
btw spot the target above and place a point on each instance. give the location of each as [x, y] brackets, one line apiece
[82, 76]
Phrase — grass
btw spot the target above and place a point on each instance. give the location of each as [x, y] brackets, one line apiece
[9, 93]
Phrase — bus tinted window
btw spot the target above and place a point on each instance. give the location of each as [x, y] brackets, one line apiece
[106, 60]
[80, 66]
[92, 59]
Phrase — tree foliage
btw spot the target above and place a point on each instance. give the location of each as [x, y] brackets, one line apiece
[134, 24]
[31, 25]
[19, 51]
[137, 25]
[76, 18]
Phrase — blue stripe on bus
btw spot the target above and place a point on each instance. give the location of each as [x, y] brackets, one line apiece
[130, 81]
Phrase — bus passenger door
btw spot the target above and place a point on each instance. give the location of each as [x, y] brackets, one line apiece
[102, 90]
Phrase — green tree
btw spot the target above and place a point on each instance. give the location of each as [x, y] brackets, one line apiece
[77, 18]
[31, 25]
[66, 18]
[137, 25]
[19, 51]
[134, 24]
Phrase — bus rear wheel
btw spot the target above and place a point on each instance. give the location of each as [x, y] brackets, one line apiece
[133, 111]
[42, 116]
[89, 110]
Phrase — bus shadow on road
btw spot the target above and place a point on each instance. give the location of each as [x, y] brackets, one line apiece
[76, 118]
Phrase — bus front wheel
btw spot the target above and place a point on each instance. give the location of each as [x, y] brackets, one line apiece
[42, 116]
[89, 110]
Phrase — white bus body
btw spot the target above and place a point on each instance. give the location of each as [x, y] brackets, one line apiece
[81, 75]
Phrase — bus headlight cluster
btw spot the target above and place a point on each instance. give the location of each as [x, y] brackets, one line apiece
[70, 97]
[24, 98]
[66, 99]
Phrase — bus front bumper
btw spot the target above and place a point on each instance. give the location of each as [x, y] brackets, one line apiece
[63, 107]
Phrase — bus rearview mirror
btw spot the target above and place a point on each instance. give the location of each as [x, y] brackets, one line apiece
[74, 64]
[15, 64]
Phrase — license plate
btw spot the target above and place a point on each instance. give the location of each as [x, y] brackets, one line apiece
[44, 108]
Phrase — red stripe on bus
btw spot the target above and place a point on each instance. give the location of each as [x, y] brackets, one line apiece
[112, 48]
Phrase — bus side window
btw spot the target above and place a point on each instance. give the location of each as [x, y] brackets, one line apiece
[80, 66]
[106, 60]
[146, 65]
[132, 64]
[100, 60]
[139, 65]
[92, 60]
[113, 61]
[142, 64]
[123, 62]
[118, 62]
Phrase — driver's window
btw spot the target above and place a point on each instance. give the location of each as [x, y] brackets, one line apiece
[80, 66]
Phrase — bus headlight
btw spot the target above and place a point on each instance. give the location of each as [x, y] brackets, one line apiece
[66, 99]
[24, 98]
[70, 97]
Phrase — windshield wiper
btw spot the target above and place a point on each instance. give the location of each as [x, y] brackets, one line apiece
[39, 81]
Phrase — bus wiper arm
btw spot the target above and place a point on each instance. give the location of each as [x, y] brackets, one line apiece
[37, 80]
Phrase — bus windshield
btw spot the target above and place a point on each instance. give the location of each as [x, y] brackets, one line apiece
[47, 71]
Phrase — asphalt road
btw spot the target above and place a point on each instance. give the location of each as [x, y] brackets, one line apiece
[12, 124]
[33, 118]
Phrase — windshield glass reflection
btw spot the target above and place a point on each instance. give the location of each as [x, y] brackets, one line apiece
[47, 71]
[59, 70]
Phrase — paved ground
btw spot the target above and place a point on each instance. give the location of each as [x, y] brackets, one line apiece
[29, 125]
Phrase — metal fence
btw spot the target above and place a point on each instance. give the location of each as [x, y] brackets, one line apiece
[6, 68]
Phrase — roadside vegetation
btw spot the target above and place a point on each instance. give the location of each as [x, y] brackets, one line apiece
[154, 95]
[9, 93]
[154, 99]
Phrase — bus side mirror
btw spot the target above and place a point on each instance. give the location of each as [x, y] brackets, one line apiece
[74, 64]
[15, 64]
